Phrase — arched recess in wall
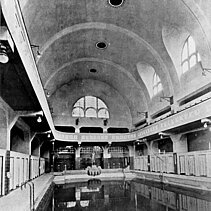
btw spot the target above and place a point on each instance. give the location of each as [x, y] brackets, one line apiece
[64, 98]
[173, 39]
[148, 74]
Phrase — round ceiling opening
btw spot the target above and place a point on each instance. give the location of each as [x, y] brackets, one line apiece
[92, 70]
[101, 45]
[115, 3]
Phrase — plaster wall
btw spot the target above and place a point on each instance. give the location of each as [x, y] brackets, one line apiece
[19, 140]
[200, 140]
[3, 129]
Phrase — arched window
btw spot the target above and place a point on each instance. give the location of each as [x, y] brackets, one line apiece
[90, 106]
[190, 56]
[157, 85]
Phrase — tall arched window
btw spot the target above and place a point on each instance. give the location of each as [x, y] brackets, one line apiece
[190, 56]
[157, 85]
[90, 106]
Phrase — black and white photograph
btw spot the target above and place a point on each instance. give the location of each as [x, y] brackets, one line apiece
[105, 105]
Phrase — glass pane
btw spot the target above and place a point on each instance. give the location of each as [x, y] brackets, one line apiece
[78, 112]
[192, 61]
[103, 113]
[160, 87]
[185, 52]
[90, 101]
[185, 67]
[192, 46]
[154, 79]
[199, 57]
[101, 104]
[91, 113]
[158, 79]
[155, 90]
[80, 103]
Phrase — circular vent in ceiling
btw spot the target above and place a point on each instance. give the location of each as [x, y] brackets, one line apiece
[115, 3]
[92, 70]
[101, 45]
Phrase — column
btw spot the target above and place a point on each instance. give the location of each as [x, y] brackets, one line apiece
[77, 157]
[152, 147]
[4, 150]
[52, 154]
[179, 143]
[132, 155]
[106, 156]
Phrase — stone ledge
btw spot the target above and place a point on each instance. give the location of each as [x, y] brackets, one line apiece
[201, 183]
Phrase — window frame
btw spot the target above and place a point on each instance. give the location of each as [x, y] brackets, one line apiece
[189, 55]
[97, 109]
[156, 82]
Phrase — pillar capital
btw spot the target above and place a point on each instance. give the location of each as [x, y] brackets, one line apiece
[179, 142]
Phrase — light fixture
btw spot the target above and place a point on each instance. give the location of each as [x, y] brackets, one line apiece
[204, 73]
[49, 135]
[169, 99]
[161, 134]
[204, 70]
[48, 94]
[3, 54]
[145, 113]
[6, 44]
[38, 50]
[39, 119]
[205, 121]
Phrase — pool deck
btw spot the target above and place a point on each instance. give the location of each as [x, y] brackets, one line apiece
[81, 175]
[19, 199]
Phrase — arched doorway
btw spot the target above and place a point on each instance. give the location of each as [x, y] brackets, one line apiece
[119, 157]
[90, 155]
[65, 158]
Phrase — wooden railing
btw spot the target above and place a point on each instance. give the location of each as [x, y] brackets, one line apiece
[141, 163]
[195, 163]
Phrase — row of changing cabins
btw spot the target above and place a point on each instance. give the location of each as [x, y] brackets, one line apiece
[22, 168]
[195, 163]
[25, 167]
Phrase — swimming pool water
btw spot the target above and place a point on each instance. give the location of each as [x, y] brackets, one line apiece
[127, 196]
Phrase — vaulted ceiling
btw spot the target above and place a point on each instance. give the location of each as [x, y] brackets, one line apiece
[67, 32]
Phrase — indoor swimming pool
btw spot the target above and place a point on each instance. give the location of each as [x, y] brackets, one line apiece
[121, 195]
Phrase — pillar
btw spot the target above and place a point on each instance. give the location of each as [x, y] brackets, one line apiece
[179, 143]
[131, 155]
[77, 157]
[152, 147]
[106, 156]
[4, 149]
[53, 155]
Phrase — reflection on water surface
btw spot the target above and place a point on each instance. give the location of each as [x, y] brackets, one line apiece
[127, 196]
